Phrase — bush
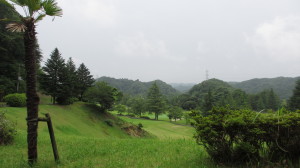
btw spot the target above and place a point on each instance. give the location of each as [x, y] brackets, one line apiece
[140, 125]
[7, 130]
[131, 115]
[239, 136]
[16, 100]
[145, 117]
[66, 101]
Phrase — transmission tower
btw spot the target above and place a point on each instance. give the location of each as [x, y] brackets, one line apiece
[206, 74]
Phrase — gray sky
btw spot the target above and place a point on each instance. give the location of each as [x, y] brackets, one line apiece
[178, 40]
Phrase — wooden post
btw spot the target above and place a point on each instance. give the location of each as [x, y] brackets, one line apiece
[52, 137]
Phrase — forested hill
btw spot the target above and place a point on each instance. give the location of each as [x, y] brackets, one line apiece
[282, 86]
[137, 87]
[182, 87]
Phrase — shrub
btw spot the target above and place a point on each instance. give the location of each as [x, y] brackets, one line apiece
[66, 101]
[145, 117]
[239, 136]
[130, 115]
[7, 130]
[140, 125]
[15, 100]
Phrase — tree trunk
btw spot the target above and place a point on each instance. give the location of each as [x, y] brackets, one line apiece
[31, 93]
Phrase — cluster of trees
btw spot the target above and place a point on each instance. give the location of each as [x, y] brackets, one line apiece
[215, 92]
[62, 80]
[137, 88]
[204, 97]
[12, 53]
[282, 86]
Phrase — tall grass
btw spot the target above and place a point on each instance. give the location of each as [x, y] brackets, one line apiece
[76, 151]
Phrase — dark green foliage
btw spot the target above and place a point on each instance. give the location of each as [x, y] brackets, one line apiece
[155, 102]
[120, 108]
[51, 81]
[239, 136]
[187, 102]
[294, 101]
[138, 105]
[11, 52]
[175, 113]
[15, 100]
[266, 99]
[102, 94]
[138, 88]
[215, 92]
[84, 80]
[282, 86]
[7, 130]
[140, 126]
[145, 117]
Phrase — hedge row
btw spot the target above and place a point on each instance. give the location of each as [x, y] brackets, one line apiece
[239, 136]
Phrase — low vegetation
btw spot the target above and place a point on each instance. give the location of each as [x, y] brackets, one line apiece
[7, 130]
[15, 100]
[247, 137]
[85, 139]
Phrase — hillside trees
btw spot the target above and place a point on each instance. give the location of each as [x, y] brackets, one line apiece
[62, 81]
[175, 113]
[11, 51]
[103, 94]
[84, 80]
[137, 105]
[294, 101]
[36, 11]
[53, 70]
[155, 102]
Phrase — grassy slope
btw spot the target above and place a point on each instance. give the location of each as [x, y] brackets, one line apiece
[163, 129]
[78, 119]
[84, 140]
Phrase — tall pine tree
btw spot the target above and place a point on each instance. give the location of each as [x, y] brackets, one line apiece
[294, 101]
[53, 71]
[84, 79]
[155, 101]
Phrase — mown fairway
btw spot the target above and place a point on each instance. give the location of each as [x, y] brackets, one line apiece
[85, 140]
[164, 129]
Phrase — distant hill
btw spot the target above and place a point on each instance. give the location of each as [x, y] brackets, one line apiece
[215, 85]
[137, 87]
[282, 86]
[182, 87]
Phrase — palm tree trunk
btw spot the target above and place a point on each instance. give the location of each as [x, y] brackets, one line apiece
[31, 93]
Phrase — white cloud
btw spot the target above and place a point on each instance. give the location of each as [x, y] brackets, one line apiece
[139, 46]
[279, 39]
[102, 12]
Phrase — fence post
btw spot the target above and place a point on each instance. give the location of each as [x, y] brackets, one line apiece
[52, 137]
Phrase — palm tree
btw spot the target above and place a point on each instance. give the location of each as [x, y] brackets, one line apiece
[35, 10]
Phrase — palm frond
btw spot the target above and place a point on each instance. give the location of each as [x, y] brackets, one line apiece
[19, 2]
[16, 27]
[40, 17]
[33, 6]
[50, 7]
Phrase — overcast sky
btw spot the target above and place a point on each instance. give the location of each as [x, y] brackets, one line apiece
[178, 40]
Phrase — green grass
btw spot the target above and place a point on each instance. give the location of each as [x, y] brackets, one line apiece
[163, 129]
[85, 140]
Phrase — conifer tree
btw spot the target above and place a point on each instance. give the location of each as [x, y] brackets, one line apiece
[294, 101]
[84, 79]
[155, 101]
[54, 70]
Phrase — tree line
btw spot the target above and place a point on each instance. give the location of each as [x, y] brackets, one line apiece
[63, 81]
